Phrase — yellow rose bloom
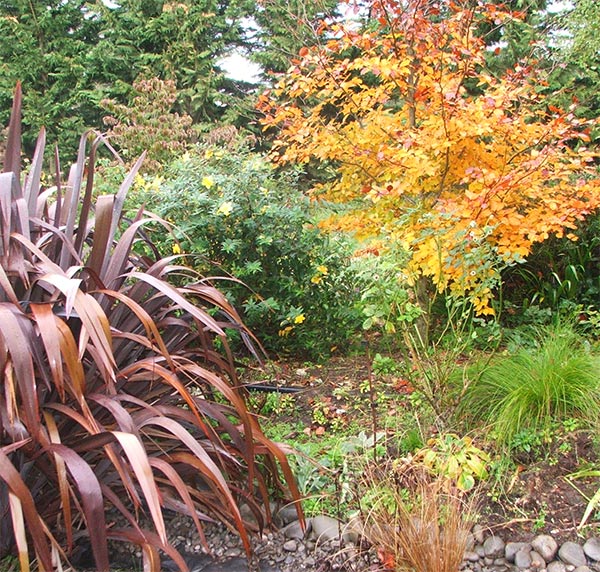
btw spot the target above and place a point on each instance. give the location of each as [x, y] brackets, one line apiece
[208, 182]
[225, 208]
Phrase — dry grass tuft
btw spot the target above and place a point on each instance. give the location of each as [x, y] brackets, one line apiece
[416, 522]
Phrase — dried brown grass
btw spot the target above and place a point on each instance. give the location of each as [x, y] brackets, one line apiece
[415, 521]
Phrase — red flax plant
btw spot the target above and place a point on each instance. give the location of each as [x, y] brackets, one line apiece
[115, 397]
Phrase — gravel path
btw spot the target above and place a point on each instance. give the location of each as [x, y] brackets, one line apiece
[322, 549]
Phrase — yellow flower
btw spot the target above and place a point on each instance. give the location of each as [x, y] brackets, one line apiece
[208, 182]
[139, 181]
[156, 183]
[209, 153]
[225, 208]
[176, 249]
[318, 277]
[299, 319]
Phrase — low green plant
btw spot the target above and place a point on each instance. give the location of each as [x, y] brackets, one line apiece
[273, 404]
[534, 388]
[540, 520]
[410, 442]
[548, 443]
[455, 458]
[528, 441]
[385, 365]
[236, 218]
[326, 469]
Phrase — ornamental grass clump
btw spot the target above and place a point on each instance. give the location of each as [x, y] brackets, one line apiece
[416, 521]
[534, 388]
[119, 398]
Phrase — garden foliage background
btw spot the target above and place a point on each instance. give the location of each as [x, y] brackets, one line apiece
[413, 182]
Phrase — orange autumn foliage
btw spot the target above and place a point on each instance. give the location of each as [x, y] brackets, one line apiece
[464, 169]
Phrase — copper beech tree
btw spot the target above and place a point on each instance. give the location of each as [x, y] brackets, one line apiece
[465, 170]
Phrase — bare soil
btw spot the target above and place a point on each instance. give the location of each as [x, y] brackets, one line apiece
[536, 493]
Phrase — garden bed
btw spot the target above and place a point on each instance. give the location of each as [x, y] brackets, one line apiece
[535, 490]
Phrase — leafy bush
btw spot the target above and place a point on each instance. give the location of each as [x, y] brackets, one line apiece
[149, 123]
[558, 272]
[534, 388]
[387, 301]
[230, 208]
[115, 401]
[455, 458]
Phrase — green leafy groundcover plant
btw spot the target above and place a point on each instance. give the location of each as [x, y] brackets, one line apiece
[535, 387]
[114, 399]
[230, 208]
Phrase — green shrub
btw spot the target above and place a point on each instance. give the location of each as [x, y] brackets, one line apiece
[538, 386]
[149, 124]
[239, 219]
[115, 396]
[559, 272]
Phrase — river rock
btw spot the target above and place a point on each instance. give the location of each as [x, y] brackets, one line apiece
[523, 558]
[471, 556]
[285, 515]
[294, 529]
[556, 566]
[325, 528]
[477, 532]
[493, 547]
[545, 546]
[512, 548]
[572, 553]
[592, 548]
[537, 561]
